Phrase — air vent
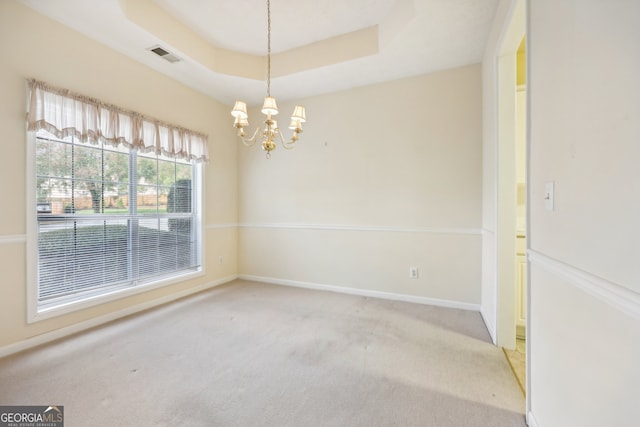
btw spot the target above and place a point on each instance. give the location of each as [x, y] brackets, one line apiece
[164, 54]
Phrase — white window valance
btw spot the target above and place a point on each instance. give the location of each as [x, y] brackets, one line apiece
[62, 113]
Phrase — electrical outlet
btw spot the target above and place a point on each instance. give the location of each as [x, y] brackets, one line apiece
[413, 272]
[220, 259]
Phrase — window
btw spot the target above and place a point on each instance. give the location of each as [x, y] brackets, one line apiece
[117, 206]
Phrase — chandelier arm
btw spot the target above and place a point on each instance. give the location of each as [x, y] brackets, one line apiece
[249, 141]
[287, 145]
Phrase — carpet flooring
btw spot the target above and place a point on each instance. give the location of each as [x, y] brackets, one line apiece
[252, 354]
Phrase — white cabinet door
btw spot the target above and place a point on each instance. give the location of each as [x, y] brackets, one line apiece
[521, 293]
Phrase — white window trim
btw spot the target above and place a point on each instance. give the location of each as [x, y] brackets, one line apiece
[36, 314]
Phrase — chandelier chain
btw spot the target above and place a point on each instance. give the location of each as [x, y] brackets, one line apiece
[268, 47]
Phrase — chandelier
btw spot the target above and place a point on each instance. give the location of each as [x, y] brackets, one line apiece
[270, 132]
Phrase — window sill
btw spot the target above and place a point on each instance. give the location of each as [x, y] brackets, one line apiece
[62, 308]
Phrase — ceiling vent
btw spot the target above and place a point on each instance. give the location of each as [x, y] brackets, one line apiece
[164, 54]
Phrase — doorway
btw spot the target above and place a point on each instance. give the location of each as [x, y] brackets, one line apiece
[521, 191]
[511, 209]
[517, 357]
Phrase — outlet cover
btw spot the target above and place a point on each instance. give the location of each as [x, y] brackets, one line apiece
[413, 272]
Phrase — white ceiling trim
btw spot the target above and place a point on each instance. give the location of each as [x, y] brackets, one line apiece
[318, 46]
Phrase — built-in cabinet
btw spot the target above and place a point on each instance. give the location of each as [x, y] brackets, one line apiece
[521, 241]
[521, 286]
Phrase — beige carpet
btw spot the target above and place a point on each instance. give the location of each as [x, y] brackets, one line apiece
[250, 354]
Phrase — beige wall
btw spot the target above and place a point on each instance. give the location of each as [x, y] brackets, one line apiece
[385, 177]
[590, 137]
[585, 274]
[585, 287]
[34, 46]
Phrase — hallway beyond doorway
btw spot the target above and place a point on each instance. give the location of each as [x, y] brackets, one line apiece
[518, 361]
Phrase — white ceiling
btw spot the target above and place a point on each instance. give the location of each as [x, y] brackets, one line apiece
[412, 37]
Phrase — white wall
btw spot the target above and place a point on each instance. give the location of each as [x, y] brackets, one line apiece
[585, 276]
[34, 46]
[490, 133]
[385, 177]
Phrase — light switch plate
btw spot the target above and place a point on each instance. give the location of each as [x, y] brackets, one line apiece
[549, 189]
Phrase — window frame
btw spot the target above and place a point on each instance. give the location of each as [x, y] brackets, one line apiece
[36, 312]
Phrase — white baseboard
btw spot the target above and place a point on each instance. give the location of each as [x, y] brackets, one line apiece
[97, 321]
[363, 292]
[531, 420]
[100, 320]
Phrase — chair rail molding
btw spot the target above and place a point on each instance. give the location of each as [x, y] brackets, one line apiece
[375, 228]
[611, 293]
[12, 238]
[221, 226]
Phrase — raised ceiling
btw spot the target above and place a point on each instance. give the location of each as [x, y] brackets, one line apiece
[318, 46]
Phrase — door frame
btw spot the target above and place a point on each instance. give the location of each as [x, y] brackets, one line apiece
[515, 28]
